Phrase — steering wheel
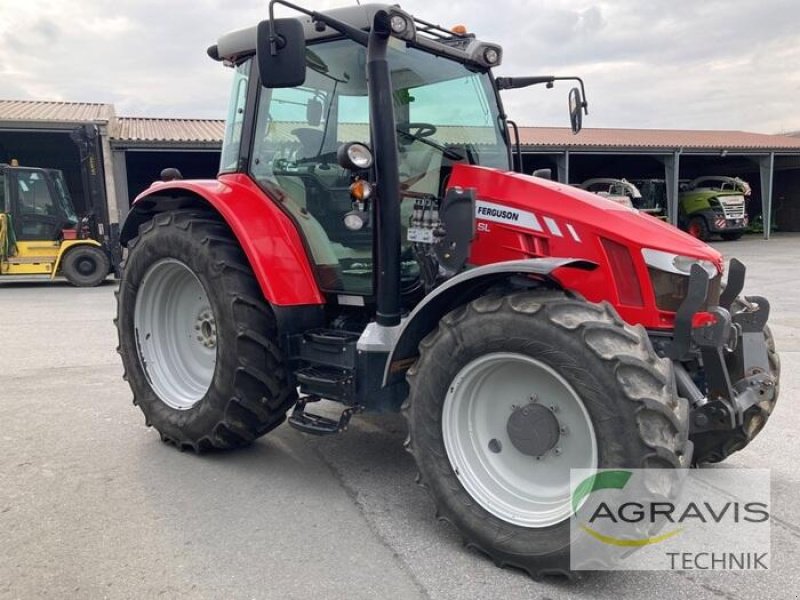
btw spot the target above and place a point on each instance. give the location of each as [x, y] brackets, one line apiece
[423, 130]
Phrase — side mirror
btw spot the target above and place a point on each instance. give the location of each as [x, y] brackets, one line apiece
[281, 53]
[314, 112]
[575, 110]
[543, 173]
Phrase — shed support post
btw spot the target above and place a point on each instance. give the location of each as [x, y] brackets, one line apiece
[767, 167]
[121, 183]
[562, 162]
[671, 176]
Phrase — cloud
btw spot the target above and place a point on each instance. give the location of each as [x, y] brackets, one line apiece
[718, 64]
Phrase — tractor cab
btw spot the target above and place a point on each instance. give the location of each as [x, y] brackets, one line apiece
[297, 132]
[41, 234]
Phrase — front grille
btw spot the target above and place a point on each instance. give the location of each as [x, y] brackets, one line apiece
[671, 289]
[732, 206]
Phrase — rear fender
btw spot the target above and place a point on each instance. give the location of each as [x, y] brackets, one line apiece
[266, 234]
[464, 288]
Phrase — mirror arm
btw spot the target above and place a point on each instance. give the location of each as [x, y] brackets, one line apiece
[358, 36]
[514, 83]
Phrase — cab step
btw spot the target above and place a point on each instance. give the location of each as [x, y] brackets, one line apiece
[324, 362]
[328, 382]
[317, 424]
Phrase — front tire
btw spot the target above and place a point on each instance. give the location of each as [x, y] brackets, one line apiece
[85, 266]
[613, 400]
[197, 339]
[698, 228]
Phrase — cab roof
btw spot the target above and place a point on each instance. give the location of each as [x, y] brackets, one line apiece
[463, 47]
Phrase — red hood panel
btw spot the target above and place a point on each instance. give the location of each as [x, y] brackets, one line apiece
[585, 211]
[519, 216]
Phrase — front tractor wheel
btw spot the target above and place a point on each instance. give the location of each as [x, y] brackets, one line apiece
[510, 393]
[197, 339]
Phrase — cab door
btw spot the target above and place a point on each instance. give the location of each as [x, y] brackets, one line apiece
[36, 213]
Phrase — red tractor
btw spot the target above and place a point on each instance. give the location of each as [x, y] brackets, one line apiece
[367, 242]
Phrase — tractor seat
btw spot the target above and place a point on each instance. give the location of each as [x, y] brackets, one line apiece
[310, 141]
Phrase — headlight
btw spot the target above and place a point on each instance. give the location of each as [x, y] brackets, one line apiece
[398, 24]
[354, 156]
[669, 275]
[676, 263]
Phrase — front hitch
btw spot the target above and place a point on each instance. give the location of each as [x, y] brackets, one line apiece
[729, 344]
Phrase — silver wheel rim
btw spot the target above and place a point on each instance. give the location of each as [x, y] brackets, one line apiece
[525, 490]
[176, 334]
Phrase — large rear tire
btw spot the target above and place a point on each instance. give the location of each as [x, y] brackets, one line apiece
[197, 339]
[596, 396]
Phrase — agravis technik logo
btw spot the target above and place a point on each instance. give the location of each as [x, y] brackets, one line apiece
[670, 519]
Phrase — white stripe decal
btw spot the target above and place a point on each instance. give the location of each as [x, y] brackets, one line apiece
[553, 227]
[488, 211]
[574, 233]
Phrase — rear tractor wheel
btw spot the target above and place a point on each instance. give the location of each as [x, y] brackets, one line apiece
[510, 393]
[197, 339]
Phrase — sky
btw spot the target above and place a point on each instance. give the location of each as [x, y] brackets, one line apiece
[674, 64]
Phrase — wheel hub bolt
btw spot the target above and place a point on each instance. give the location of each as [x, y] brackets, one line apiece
[495, 445]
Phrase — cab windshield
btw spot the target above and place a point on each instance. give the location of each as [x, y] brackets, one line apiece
[444, 112]
[64, 199]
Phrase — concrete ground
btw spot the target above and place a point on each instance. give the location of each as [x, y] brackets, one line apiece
[93, 505]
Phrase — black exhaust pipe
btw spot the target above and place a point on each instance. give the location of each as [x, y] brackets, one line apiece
[386, 206]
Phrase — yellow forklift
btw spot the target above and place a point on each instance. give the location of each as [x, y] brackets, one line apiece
[40, 232]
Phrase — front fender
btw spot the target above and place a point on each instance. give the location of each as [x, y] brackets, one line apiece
[67, 245]
[266, 234]
[459, 290]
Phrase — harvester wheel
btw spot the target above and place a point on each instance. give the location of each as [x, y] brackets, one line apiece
[698, 229]
[715, 447]
[85, 266]
[511, 392]
[198, 341]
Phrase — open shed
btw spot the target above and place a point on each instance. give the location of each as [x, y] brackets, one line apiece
[771, 163]
[42, 134]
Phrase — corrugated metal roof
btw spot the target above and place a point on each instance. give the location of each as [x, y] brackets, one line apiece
[139, 129]
[209, 132]
[558, 137]
[65, 112]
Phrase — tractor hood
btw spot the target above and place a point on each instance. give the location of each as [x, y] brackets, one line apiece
[522, 217]
[562, 212]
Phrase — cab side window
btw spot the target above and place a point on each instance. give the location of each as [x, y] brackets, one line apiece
[36, 214]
